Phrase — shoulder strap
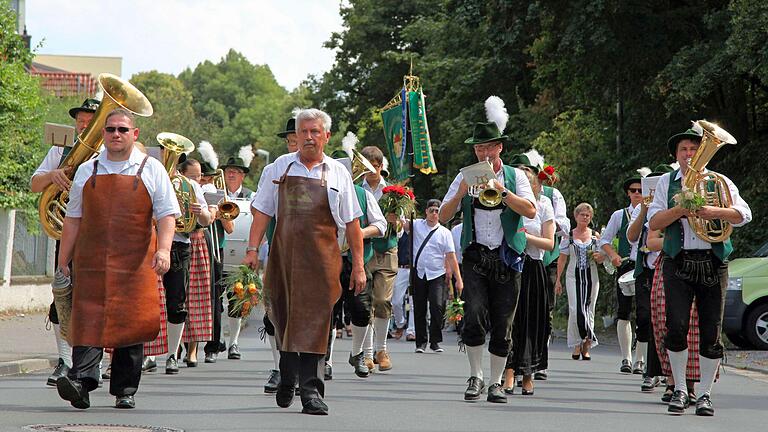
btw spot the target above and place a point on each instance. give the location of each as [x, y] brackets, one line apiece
[138, 173]
[424, 243]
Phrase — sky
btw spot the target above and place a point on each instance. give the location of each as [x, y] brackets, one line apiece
[171, 35]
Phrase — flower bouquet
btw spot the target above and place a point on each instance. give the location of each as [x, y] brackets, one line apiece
[244, 286]
[399, 200]
[548, 175]
[454, 311]
[689, 200]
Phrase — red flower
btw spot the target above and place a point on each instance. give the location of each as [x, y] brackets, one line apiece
[543, 176]
[549, 169]
[411, 195]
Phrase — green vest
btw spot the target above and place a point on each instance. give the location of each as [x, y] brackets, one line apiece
[551, 255]
[384, 244]
[363, 201]
[673, 234]
[511, 222]
[624, 246]
[271, 229]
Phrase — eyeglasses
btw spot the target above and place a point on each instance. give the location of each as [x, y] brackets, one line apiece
[433, 210]
[635, 190]
[121, 129]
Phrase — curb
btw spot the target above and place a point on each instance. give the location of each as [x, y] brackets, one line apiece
[746, 368]
[24, 366]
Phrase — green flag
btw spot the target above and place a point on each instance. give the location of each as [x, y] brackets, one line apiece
[422, 147]
[393, 134]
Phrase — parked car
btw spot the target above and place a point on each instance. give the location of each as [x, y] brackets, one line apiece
[745, 320]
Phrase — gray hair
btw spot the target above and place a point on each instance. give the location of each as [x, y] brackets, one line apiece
[583, 207]
[314, 114]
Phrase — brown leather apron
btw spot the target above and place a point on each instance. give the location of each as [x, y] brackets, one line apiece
[304, 265]
[115, 299]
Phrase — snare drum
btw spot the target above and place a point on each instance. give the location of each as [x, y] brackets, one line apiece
[627, 283]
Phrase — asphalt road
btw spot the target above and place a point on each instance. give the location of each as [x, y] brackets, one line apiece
[423, 392]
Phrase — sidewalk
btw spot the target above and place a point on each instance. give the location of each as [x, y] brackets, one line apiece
[27, 345]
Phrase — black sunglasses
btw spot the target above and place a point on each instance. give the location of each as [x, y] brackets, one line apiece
[121, 129]
[635, 190]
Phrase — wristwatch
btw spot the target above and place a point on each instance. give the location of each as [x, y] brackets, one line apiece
[504, 194]
[252, 249]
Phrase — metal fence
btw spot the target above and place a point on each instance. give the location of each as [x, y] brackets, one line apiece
[30, 251]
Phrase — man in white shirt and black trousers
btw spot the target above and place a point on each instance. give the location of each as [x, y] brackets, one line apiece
[493, 242]
[693, 269]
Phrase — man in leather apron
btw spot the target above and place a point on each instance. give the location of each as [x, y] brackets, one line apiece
[312, 196]
[109, 237]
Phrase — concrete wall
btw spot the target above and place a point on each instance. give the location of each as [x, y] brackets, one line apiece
[21, 292]
[84, 64]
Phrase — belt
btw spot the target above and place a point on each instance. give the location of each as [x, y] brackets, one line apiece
[404, 266]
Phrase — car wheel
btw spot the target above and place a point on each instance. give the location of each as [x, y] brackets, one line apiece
[757, 327]
[739, 340]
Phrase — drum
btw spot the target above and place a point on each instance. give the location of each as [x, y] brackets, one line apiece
[234, 251]
[627, 283]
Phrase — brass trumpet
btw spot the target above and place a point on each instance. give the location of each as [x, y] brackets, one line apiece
[175, 145]
[227, 209]
[489, 197]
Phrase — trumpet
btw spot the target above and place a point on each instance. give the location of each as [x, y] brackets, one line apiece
[175, 145]
[227, 209]
[489, 197]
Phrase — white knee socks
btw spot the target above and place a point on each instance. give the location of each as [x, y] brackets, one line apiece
[381, 329]
[275, 352]
[234, 330]
[330, 347]
[708, 372]
[497, 368]
[640, 350]
[174, 338]
[62, 346]
[358, 338]
[475, 355]
[677, 362]
[624, 332]
[368, 347]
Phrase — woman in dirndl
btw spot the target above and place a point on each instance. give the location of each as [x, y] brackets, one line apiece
[578, 251]
[530, 330]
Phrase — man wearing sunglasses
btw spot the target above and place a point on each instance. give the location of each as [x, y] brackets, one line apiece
[108, 236]
[624, 261]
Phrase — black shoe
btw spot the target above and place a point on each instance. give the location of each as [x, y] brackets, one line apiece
[527, 392]
[148, 365]
[171, 366]
[358, 363]
[626, 367]
[475, 387]
[540, 375]
[107, 373]
[233, 353]
[315, 406]
[667, 396]
[191, 363]
[328, 372]
[59, 371]
[648, 384]
[678, 403]
[420, 348]
[273, 382]
[210, 357]
[284, 395]
[74, 392]
[436, 347]
[125, 402]
[638, 368]
[704, 406]
[495, 394]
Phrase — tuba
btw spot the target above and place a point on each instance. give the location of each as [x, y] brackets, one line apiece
[175, 145]
[360, 165]
[118, 93]
[227, 209]
[708, 184]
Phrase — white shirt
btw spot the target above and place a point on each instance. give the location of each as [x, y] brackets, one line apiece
[154, 176]
[200, 195]
[456, 234]
[235, 194]
[209, 188]
[487, 223]
[562, 223]
[544, 213]
[377, 193]
[375, 218]
[432, 258]
[650, 256]
[341, 192]
[51, 161]
[690, 239]
[612, 229]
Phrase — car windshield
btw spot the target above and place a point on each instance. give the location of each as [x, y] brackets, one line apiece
[761, 252]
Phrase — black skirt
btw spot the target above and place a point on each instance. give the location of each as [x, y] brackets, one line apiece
[531, 326]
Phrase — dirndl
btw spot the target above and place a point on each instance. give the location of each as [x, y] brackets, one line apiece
[199, 324]
[531, 326]
[159, 346]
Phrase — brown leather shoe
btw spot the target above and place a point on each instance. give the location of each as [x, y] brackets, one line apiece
[398, 333]
[382, 358]
[369, 363]
[410, 337]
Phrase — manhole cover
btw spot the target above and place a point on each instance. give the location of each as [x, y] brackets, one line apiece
[98, 428]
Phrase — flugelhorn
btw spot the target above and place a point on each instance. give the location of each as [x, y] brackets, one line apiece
[360, 165]
[118, 93]
[227, 209]
[175, 145]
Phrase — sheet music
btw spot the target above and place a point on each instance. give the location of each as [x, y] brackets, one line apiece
[649, 185]
[479, 173]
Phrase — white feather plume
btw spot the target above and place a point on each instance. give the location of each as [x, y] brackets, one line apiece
[246, 154]
[697, 127]
[208, 153]
[385, 164]
[675, 165]
[295, 111]
[644, 171]
[99, 94]
[348, 143]
[496, 112]
[535, 158]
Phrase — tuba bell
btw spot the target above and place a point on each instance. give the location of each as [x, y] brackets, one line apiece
[360, 165]
[227, 209]
[710, 185]
[118, 93]
[175, 145]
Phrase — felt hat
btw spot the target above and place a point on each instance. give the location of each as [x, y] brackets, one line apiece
[522, 160]
[235, 162]
[290, 127]
[206, 169]
[690, 134]
[631, 179]
[89, 105]
[485, 133]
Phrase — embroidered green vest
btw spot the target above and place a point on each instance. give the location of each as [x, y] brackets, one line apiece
[363, 201]
[551, 256]
[624, 246]
[673, 233]
[511, 222]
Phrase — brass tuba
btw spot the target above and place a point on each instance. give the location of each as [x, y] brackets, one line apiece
[175, 145]
[118, 93]
[708, 184]
[360, 165]
[227, 209]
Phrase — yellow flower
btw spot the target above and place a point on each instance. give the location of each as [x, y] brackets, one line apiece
[251, 288]
[238, 285]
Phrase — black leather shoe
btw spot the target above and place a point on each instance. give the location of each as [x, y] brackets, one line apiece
[704, 406]
[210, 357]
[638, 368]
[74, 392]
[284, 395]
[148, 365]
[668, 392]
[475, 387]
[59, 371]
[315, 406]
[171, 366]
[496, 394]
[107, 373]
[358, 363]
[626, 367]
[328, 375]
[540, 375]
[233, 353]
[273, 382]
[678, 403]
[125, 402]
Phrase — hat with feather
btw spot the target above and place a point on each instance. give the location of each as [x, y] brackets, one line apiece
[242, 160]
[492, 130]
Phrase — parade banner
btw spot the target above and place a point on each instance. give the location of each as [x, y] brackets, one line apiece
[422, 147]
[396, 149]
